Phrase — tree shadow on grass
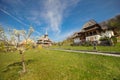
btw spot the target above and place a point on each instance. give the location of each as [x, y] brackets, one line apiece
[16, 65]
[11, 71]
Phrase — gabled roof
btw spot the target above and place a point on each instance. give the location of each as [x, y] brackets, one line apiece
[75, 34]
[89, 23]
[103, 25]
[82, 30]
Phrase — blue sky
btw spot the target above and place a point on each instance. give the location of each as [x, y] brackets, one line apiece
[59, 17]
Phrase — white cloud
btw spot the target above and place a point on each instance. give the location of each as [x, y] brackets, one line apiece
[55, 10]
[22, 10]
[34, 19]
[14, 17]
[50, 13]
[38, 33]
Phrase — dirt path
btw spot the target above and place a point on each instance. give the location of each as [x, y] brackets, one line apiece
[88, 52]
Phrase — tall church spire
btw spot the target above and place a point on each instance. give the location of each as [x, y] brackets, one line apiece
[46, 33]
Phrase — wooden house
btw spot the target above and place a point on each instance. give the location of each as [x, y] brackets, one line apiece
[92, 31]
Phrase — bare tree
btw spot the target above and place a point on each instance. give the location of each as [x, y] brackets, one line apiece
[2, 34]
[3, 38]
[27, 35]
[15, 37]
[21, 49]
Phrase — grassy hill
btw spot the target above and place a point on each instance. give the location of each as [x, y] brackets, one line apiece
[58, 65]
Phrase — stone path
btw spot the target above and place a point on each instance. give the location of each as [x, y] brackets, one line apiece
[88, 52]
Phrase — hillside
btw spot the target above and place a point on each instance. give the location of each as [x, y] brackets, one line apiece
[113, 23]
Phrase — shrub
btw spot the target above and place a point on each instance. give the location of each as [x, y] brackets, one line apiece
[114, 40]
[2, 46]
[87, 43]
[105, 41]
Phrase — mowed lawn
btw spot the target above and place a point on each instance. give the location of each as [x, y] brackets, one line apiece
[57, 65]
[115, 49]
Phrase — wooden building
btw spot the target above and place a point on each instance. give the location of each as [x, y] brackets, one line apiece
[92, 31]
[44, 41]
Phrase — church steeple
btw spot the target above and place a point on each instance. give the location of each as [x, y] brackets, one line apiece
[46, 33]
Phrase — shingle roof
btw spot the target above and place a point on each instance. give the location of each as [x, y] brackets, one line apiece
[103, 25]
[89, 23]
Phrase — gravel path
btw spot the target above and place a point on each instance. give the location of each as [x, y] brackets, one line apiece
[88, 52]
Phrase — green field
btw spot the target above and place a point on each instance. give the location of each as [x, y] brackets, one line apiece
[115, 48]
[58, 65]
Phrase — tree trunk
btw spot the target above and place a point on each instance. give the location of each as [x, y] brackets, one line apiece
[23, 62]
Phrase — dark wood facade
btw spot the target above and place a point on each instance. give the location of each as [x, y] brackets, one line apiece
[91, 31]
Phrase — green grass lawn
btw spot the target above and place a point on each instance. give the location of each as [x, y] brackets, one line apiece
[115, 48]
[59, 65]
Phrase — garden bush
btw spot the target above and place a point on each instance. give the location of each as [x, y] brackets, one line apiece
[114, 40]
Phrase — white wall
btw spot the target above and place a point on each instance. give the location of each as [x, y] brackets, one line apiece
[76, 40]
[108, 33]
[93, 38]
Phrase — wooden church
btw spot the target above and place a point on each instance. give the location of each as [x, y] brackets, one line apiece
[44, 41]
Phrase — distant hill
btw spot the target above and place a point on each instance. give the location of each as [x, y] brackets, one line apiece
[113, 23]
